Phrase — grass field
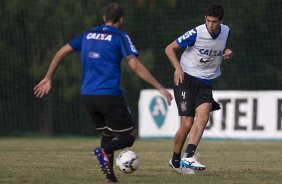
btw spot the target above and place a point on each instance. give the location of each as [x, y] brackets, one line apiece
[70, 160]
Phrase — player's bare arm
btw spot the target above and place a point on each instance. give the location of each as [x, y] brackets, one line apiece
[144, 74]
[227, 54]
[45, 85]
[170, 51]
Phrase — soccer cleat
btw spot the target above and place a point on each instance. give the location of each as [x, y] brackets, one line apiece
[192, 163]
[178, 170]
[110, 181]
[105, 165]
[181, 170]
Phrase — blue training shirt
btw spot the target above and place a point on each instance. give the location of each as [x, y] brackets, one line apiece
[101, 50]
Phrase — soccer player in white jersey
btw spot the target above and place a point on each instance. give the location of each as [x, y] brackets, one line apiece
[198, 67]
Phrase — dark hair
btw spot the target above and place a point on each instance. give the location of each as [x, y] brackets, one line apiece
[113, 12]
[215, 10]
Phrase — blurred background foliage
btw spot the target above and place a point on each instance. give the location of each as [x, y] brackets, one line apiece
[31, 31]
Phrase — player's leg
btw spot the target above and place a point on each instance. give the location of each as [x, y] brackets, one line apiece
[120, 141]
[185, 100]
[180, 137]
[202, 117]
[119, 122]
[98, 107]
[204, 105]
[107, 137]
[111, 142]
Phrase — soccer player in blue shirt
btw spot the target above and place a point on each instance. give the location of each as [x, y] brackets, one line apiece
[198, 67]
[101, 50]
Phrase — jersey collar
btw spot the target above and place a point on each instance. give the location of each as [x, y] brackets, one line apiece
[216, 35]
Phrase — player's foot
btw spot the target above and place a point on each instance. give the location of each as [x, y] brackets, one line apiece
[178, 170]
[105, 165]
[181, 170]
[110, 181]
[192, 163]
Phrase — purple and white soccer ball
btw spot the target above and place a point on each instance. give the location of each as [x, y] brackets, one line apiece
[127, 161]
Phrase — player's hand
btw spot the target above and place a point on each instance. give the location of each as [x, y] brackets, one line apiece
[178, 76]
[227, 54]
[167, 95]
[42, 88]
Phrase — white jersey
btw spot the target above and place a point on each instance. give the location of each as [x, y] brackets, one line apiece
[204, 52]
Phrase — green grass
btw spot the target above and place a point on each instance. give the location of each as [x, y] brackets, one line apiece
[70, 160]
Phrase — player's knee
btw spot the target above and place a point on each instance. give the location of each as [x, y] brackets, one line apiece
[131, 139]
[186, 123]
[133, 133]
[202, 121]
[202, 116]
[127, 139]
[107, 133]
[205, 118]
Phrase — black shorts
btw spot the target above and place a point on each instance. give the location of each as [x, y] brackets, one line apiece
[109, 113]
[191, 93]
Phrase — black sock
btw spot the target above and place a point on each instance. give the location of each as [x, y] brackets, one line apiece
[104, 142]
[112, 177]
[119, 142]
[176, 159]
[191, 148]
